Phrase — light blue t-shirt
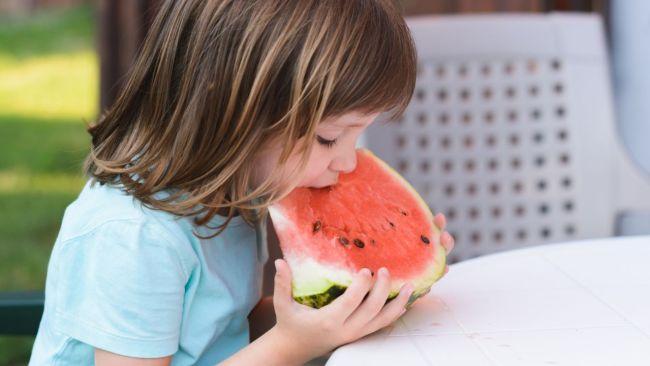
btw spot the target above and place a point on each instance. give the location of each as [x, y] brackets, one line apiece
[138, 282]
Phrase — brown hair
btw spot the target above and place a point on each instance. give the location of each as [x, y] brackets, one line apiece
[218, 79]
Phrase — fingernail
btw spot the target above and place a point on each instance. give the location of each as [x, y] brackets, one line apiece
[364, 271]
[383, 271]
[276, 263]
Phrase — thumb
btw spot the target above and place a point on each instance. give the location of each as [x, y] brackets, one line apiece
[282, 287]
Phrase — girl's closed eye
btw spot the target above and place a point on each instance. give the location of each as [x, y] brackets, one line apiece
[325, 142]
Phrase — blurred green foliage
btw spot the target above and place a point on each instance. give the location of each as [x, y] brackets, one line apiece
[48, 89]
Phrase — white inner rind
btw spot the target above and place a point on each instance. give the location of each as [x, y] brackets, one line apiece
[279, 219]
[311, 277]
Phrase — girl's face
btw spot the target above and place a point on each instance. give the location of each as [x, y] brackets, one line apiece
[333, 153]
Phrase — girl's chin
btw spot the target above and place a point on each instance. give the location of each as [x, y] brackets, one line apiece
[318, 185]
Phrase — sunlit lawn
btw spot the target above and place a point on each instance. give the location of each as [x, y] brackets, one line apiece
[48, 88]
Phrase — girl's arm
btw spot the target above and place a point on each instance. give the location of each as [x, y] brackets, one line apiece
[271, 349]
[105, 358]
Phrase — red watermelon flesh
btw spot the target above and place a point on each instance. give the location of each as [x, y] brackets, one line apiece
[371, 218]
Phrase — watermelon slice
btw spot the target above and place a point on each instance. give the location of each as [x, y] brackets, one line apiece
[371, 218]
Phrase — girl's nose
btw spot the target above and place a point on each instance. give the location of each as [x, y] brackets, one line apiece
[345, 163]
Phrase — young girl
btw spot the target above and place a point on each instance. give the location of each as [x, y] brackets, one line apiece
[231, 105]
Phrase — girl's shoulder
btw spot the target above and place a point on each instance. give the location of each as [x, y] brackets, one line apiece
[108, 210]
[116, 264]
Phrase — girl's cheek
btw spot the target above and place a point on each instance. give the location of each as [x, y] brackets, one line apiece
[310, 177]
[316, 173]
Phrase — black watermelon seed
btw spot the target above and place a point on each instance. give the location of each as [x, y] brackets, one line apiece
[403, 212]
[391, 224]
[372, 241]
[424, 239]
[359, 243]
[343, 241]
[317, 226]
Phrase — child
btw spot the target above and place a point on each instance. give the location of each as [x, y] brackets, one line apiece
[230, 105]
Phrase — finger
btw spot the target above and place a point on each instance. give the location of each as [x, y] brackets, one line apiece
[391, 311]
[345, 304]
[447, 241]
[282, 296]
[373, 304]
[440, 221]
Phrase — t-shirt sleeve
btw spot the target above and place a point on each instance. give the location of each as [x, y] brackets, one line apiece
[120, 287]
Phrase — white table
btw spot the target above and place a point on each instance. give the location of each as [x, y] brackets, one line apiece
[581, 303]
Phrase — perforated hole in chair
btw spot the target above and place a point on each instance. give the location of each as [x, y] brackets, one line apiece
[513, 116]
[420, 94]
[493, 164]
[487, 93]
[486, 70]
[473, 213]
[467, 118]
[443, 118]
[422, 118]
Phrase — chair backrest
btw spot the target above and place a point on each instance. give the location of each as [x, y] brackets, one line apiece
[510, 132]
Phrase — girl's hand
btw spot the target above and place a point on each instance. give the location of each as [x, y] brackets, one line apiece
[446, 240]
[313, 332]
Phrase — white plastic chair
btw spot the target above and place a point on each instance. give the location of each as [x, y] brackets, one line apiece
[511, 131]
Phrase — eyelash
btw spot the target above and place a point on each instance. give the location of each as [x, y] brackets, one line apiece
[325, 142]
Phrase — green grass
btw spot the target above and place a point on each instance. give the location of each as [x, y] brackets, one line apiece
[52, 86]
[48, 88]
[50, 32]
